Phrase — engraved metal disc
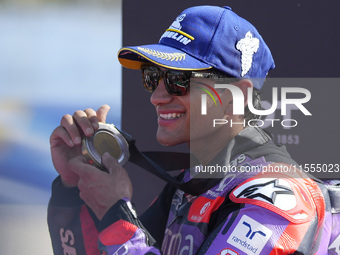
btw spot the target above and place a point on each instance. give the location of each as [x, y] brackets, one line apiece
[106, 139]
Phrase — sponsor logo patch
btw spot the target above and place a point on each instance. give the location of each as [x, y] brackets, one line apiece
[202, 208]
[288, 197]
[277, 192]
[175, 32]
[249, 236]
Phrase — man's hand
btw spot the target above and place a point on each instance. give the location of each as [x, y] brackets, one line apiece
[66, 140]
[100, 190]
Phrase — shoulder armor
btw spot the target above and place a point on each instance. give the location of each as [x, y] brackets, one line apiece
[292, 195]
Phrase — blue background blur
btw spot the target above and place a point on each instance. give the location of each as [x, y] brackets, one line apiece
[55, 57]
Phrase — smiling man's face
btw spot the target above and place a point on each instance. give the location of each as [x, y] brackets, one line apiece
[179, 117]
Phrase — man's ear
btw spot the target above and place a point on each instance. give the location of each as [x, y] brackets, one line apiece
[243, 85]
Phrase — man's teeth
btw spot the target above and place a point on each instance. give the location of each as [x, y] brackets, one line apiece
[170, 116]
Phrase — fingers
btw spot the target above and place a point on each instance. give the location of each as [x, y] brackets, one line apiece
[109, 162]
[84, 170]
[119, 174]
[100, 190]
[81, 123]
[81, 167]
[60, 133]
[92, 117]
[69, 125]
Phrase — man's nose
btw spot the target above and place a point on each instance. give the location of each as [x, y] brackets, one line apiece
[160, 95]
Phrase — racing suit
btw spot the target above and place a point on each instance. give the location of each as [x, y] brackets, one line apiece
[245, 212]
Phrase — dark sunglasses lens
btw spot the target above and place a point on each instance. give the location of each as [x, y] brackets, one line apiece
[151, 77]
[177, 82]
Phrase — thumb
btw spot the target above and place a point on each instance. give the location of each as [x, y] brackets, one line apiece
[102, 113]
[80, 166]
[109, 162]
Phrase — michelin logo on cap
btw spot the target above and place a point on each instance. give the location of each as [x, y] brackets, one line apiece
[177, 23]
[248, 46]
[174, 31]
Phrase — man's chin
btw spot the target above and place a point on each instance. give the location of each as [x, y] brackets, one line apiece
[168, 140]
[165, 142]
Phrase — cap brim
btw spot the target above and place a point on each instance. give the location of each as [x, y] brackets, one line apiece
[159, 54]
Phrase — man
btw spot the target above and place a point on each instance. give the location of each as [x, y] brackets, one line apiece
[233, 212]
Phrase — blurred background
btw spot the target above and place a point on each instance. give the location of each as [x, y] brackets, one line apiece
[58, 56]
[55, 57]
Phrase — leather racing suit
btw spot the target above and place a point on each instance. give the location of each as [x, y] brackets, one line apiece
[244, 212]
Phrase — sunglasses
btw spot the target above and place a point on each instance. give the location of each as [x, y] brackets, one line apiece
[176, 82]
